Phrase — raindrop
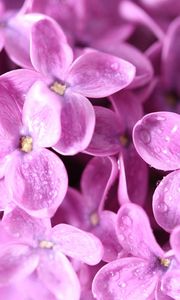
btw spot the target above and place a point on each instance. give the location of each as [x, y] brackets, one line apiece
[160, 118]
[115, 66]
[126, 220]
[162, 207]
[145, 136]
[122, 284]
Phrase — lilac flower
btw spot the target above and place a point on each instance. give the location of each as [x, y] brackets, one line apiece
[93, 74]
[156, 138]
[141, 275]
[42, 248]
[35, 178]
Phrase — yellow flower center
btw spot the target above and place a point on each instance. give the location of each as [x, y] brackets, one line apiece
[46, 244]
[58, 88]
[124, 140]
[165, 262]
[94, 219]
[26, 144]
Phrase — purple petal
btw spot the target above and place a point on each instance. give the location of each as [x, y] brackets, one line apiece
[123, 196]
[166, 202]
[38, 114]
[159, 295]
[59, 277]
[96, 180]
[128, 278]
[170, 56]
[106, 137]
[22, 226]
[78, 244]
[17, 261]
[132, 12]
[175, 241]
[37, 182]
[170, 284]
[97, 74]
[77, 123]
[156, 138]
[50, 53]
[4, 201]
[106, 232]
[135, 234]
[19, 82]
[18, 29]
[10, 122]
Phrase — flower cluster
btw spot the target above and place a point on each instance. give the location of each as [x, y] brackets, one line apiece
[89, 150]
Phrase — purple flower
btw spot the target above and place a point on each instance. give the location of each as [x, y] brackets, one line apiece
[93, 74]
[35, 178]
[39, 247]
[142, 275]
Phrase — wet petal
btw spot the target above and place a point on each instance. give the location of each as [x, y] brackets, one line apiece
[170, 284]
[50, 53]
[107, 132]
[156, 138]
[128, 278]
[175, 241]
[17, 261]
[159, 295]
[10, 122]
[39, 109]
[37, 182]
[96, 180]
[166, 206]
[56, 272]
[135, 234]
[96, 74]
[77, 123]
[24, 227]
[77, 243]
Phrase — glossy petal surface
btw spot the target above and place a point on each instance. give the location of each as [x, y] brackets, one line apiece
[166, 205]
[97, 74]
[156, 138]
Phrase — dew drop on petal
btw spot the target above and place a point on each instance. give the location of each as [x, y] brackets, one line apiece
[162, 207]
[145, 136]
[126, 220]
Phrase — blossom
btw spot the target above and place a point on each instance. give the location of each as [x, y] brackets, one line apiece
[37, 246]
[141, 275]
[30, 176]
[93, 74]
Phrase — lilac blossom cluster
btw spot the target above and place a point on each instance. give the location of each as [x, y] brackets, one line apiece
[90, 150]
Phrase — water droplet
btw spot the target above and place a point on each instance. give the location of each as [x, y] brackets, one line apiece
[160, 118]
[122, 284]
[162, 207]
[121, 237]
[115, 66]
[145, 136]
[126, 220]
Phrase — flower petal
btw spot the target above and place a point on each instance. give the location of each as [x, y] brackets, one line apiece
[18, 29]
[175, 241]
[106, 137]
[38, 113]
[127, 278]
[170, 284]
[166, 206]
[77, 124]
[10, 122]
[135, 234]
[156, 138]
[95, 74]
[49, 51]
[24, 227]
[58, 276]
[37, 182]
[97, 178]
[17, 261]
[77, 243]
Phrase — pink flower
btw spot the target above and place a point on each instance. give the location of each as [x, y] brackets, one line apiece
[35, 178]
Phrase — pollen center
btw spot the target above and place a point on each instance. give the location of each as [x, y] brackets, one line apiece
[26, 143]
[124, 140]
[94, 219]
[46, 244]
[165, 262]
[58, 88]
